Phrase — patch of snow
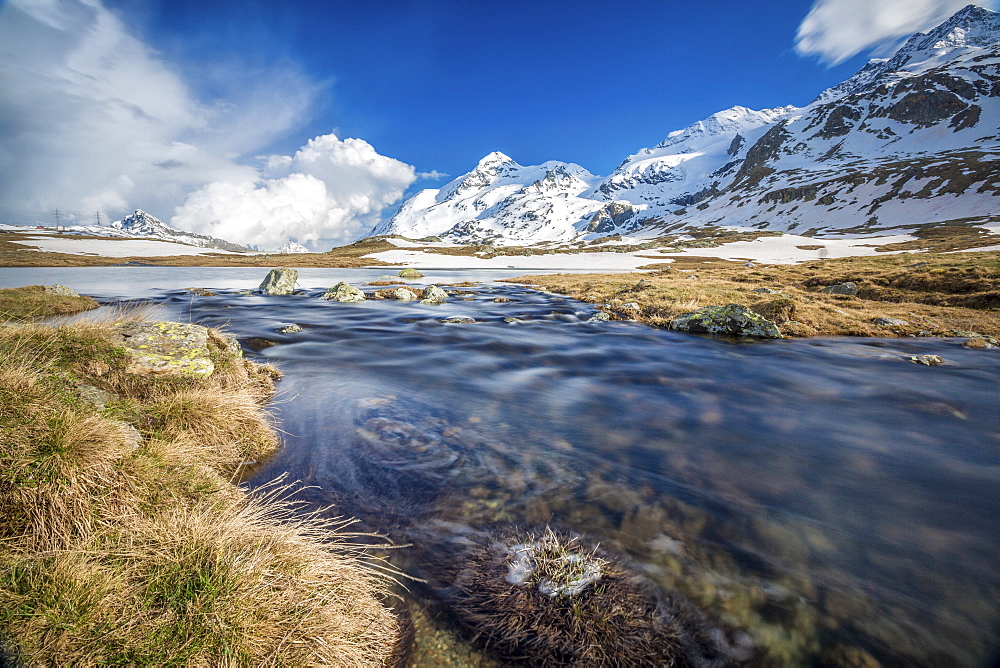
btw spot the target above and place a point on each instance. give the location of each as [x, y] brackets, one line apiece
[115, 248]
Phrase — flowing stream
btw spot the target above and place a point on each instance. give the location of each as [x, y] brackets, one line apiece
[827, 497]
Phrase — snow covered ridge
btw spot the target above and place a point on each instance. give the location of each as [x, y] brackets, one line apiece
[141, 224]
[907, 140]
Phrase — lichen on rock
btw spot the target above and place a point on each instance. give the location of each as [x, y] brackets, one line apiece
[279, 281]
[165, 348]
[734, 319]
[409, 272]
[342, 292]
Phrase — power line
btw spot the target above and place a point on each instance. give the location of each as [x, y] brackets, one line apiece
[57, 214]
[98, 213]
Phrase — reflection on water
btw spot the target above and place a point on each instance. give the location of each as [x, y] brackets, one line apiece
[836, 502]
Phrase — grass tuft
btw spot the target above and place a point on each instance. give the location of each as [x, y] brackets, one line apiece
[125, 541]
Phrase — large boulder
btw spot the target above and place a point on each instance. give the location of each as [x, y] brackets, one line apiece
[404, 294]
[280, 281]
[409, 272]
[734, 319]
[434, 294]
[342, 292]
[164, 348]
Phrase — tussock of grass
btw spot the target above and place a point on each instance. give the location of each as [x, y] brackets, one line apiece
[32, 301]
[126, 543]
[937, 294]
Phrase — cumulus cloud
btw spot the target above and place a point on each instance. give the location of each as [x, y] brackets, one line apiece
[835, 30]
[93, 119]
[331, 190]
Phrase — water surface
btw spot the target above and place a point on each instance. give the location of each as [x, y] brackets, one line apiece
[826, 496]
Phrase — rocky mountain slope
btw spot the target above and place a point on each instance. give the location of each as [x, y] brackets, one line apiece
[144, 226]
[907, 140]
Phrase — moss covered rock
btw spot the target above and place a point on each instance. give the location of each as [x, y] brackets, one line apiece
[410, 272]
[342, 292]
[734, 319]
[165, 348]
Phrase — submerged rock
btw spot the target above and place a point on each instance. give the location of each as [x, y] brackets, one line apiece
[165, 348]
[280, 281]
[927, 360]
[290, 329]
[434, 294]
[342, 292]
[409, 272]
[459, 319]
[734, 319]
[553, 599]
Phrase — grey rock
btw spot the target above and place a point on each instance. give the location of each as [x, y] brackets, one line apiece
[433, 293]
[511, 319]
[403, 294]
[748, 264]
[848, 288]
[630, 306]
[409, 272]
[766, 291]
[290, 329]
[734, 319]
[890, 322]
[280, 281]
[927, 360]
[459, 319]
[501, 300]
[94, 395]
[600, 316]
[980, 343]
[342, 292]
[60, 290]
[164, 348]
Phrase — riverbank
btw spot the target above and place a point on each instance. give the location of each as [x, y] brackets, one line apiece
[930, 294]
[126, 538]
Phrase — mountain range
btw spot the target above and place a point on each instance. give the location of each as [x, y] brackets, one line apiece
[142, 225]
[908, 140]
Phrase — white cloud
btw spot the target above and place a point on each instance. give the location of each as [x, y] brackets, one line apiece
[92, 118]
[433, 175]
[329, 192]
[835, 30]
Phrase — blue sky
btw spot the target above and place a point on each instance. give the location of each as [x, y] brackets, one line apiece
[440, 84]
[260, 121]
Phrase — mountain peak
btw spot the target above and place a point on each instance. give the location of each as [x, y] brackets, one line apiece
[495, 158]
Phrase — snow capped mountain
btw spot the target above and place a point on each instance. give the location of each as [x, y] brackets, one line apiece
[504, 202]
[142, 224]
[907, 140]
[293, 247]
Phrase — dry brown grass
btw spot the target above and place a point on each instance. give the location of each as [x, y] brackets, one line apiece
[936, 293]
[32, 302]
[125, 542]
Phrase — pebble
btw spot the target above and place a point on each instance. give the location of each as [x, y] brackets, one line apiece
[927, 360]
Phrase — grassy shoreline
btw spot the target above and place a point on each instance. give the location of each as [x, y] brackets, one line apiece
[936, 294]
[125, 538]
